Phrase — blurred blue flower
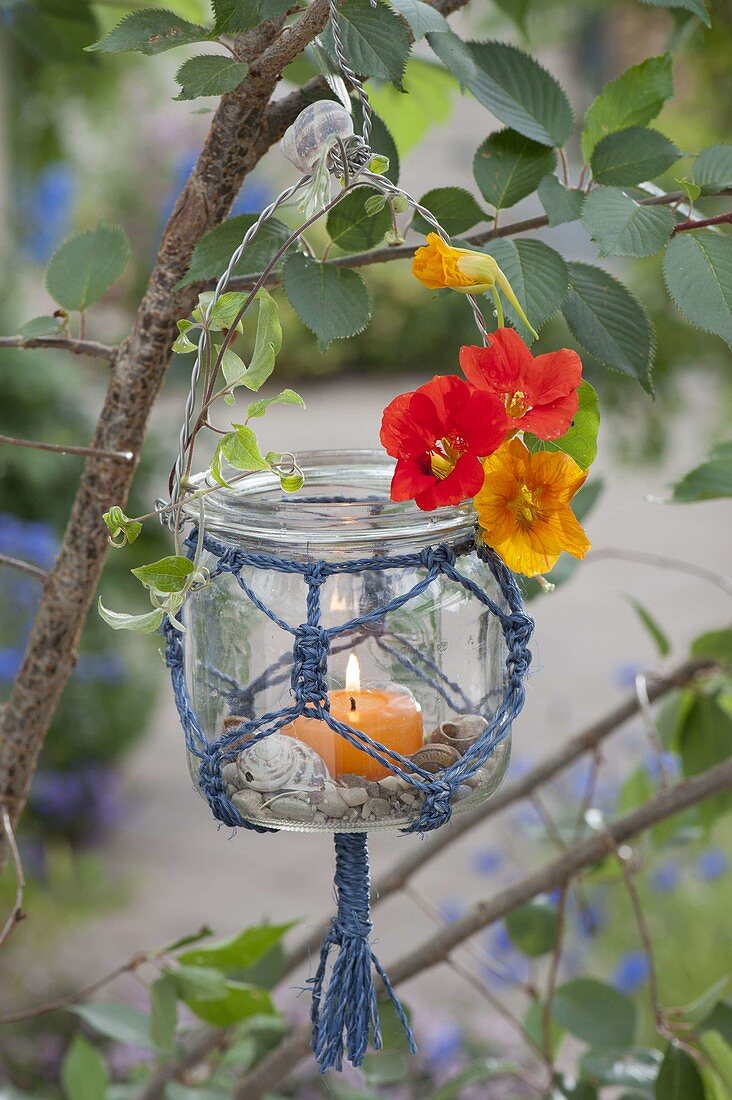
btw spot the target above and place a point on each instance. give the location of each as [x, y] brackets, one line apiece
[624, 674]
[451, 909]
[442, 1044]
[29, 539]
[253, 197]
[90, 798]
[47, 206]
[10, 660]
[712, 864]
[512, 966]
[631, 971]
[669, 763]
[109, 668]
[665, 878]
[590, 919]
[486, 861]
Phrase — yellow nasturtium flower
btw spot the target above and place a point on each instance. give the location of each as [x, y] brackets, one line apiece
[438, 265]
[523, 507]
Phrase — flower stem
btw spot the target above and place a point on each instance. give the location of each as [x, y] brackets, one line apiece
[499, 307]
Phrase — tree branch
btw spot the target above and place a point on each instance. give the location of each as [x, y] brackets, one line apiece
[237, 139]
[91, 348]
[285, 1057]
[703, 223]
[16, 915]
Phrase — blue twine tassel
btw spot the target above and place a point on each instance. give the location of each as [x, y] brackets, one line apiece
[347, 1008]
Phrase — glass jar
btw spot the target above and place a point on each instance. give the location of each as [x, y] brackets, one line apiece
[422, 680]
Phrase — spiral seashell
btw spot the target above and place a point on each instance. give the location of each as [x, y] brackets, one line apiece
[318, 125]
[278, 762]
[434, 758]
[459, 733]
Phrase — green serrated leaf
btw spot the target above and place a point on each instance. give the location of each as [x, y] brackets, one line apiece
[511, 84]
[236, 15]
[705, 739]
[139, 624]
[539, 277]
[150, 31]
[716, 644]
[596, 1013]
[620, 227]
[561, 204]
[697, 269]
[120, 1022]
[696, 7]
[213, 251]
[40, 326]
[420, 17]
[580, 442]
[633, 155]
[609, 322]
[209, 74]
[455, 209]
[691, 190]
[163, 1014]
[241, 450]
[333, 302]
[240, 951]
[353, 227]
[532, 928]
[267, 342]
[83, 1072]
[508, 166]
[712, 169]
[225, 311]
[84, 267]
[660, 638]
[170, 574]
[633, 99]
[375, 40]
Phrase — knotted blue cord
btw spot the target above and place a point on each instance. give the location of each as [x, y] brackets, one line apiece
[347, 1009]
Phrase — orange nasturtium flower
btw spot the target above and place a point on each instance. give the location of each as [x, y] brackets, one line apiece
[438, 265]
[523, 507]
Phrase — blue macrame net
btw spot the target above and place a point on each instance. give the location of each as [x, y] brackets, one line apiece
[347, 1009]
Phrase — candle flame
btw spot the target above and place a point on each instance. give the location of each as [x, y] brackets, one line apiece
[353, 674]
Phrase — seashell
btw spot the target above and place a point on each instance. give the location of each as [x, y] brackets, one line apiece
[435, 757]
[277, 762]
[376, 808]
[247, 803]
[318, 125]
[459, 733]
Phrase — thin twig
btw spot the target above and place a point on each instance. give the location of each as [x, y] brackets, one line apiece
[67, 449]
[24, 566]
[649, 725]
[90, 348]
[702, 223]
[551, 981]
[81, 995]
[17, 914]
[662, 561]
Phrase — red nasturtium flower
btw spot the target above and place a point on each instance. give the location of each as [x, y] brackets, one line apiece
[539, 394]
[438, 434]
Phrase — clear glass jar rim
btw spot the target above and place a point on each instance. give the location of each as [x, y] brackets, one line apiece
[256, 512]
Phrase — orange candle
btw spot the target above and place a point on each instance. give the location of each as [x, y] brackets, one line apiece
[391, 716]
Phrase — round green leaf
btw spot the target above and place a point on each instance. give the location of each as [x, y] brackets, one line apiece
[167, 575]
[532, 928]
[609, 322]
[539, 277]
[83, 1072]
[455, 209]
[333, 302]
[209, 74]
[594, 1012]
[561, 204]
[238, 1001]
[351, 228]
[375, 40]
[697, 269]
[696, 7]
[633, 99]
[620, 227]
[150, 31]
[678, 1077]
[712, 169]
[623, 1068]
[633, 155]
[580, 442]
[83, 268]
[508, 166]
[421, 17]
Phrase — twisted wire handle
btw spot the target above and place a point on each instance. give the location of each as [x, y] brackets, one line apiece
[347, 70]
